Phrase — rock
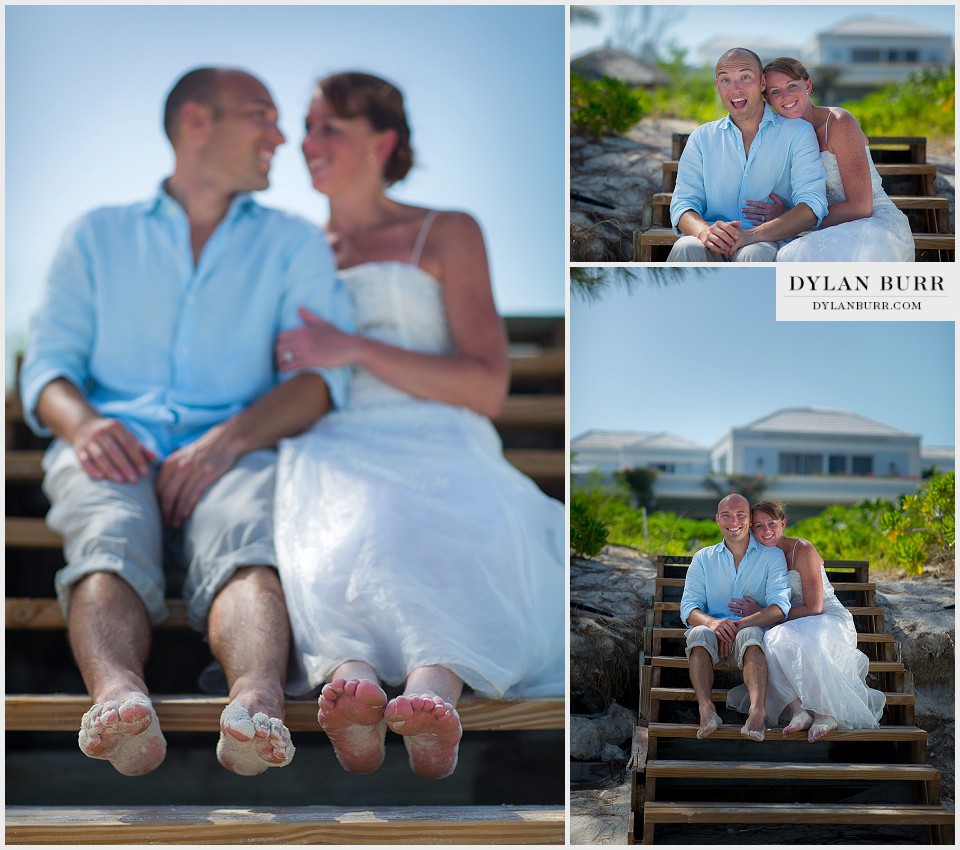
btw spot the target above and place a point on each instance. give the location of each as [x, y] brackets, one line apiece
[590, 733]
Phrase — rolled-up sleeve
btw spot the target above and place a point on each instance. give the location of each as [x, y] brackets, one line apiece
[777, 590]
[63, 330]
[690, 192]
[694, 589]
[313, 283]
[807, 177]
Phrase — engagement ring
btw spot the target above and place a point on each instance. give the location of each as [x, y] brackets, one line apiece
[287, 356]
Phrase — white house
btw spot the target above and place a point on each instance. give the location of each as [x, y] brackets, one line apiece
[862, 54]
[809, 457]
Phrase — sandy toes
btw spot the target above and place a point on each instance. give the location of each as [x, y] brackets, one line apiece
[351, 713]
[756, 726]
[707, 729]
[799, 722]
[249, 745]
[431, 730]
[127, 734]
[821, 725]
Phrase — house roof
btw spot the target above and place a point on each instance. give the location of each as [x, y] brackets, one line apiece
[617, 440]
[884, 25]
[610, 62]
[818, 420]
[941, 452]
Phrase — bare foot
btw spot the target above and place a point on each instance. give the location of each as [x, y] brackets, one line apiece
[755, 727]
[127, 734]
[351, 713]
[822, 724]
[708, 725]
[431, 730]
[249, 745]
[800, 722]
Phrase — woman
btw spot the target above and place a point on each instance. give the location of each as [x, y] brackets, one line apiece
[862, 222]
[410, 551]
[816, 671]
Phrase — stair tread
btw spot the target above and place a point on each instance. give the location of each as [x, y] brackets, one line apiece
[788, 770]
[775, 734]
[672, 812]
[684, 694]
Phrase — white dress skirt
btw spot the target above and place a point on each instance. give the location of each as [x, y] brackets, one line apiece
[403, 536]
[816, 659]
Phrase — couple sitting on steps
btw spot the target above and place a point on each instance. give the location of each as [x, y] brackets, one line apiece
[762, 602]
[306, 429]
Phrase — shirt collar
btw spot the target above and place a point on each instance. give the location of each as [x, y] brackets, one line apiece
[769, 117]
[164, 203]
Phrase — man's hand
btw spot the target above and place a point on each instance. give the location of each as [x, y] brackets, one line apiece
[187, 474]
[726, 632]
[721, 237]
[107, 449]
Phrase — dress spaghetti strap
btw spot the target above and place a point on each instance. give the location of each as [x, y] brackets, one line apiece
[422, 237]
[793, 554]
[826, 131]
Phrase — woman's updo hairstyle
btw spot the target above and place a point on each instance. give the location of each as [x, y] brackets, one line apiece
[354, 94]
[793, 68]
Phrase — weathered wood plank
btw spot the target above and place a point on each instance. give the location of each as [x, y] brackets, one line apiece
[666, 812]
[300, 825]
[187, 713]
[775, 733]
[673, 768]
[720, 695]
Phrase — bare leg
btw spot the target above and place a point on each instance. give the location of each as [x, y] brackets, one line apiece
[351, 713]
[701, 677]
[249, 635]
[800, 718]
[427, 718]
[109, 633]
[755, 677]
[822, 723]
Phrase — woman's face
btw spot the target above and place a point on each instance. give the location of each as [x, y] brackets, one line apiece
[767, 529]
[338, 151]
[787, 97]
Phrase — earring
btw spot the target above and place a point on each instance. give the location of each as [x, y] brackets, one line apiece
[371, 158]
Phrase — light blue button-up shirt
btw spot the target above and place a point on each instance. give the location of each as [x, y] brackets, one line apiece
[167, 346]
[715, 178]
[712, 580]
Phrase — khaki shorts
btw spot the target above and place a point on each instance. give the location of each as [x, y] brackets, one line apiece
[705, 637]
[117, 528]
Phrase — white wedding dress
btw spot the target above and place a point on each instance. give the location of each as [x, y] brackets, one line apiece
[403, 536]
[816, 659]
[883, 237]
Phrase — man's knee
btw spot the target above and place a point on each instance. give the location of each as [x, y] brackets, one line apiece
[702, 638]
[688, 249]
[759, 252]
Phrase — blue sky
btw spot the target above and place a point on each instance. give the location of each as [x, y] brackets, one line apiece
[705, 354]
[484, 87]
[690, 25]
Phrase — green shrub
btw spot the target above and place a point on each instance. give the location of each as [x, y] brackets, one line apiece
[588, 535]
[602, 107]
[923, 530]
[921, 105]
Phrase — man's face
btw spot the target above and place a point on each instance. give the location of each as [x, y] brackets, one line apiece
[243, 135]
[741, 86]
[733, 517]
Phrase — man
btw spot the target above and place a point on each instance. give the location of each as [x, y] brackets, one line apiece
[749, 155]
[736, 567]
[151, 362]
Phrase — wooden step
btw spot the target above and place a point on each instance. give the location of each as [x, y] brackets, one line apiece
[874, 814]
[731, 732]
[287, 825]
[188, 713]
[719, 695]
[683, 663]
[532, 411]
[734, 770]
[664, 633]
[856, 610]
[662, 583]
[531, 364]
[837, 570]
[31, 533]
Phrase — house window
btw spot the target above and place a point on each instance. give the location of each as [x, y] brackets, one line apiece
[865, 55]
[862, 465]
[911, 55]
[800, 464]
[837, 465]
[663, 467]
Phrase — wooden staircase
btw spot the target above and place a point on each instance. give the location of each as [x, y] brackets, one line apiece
[909, 180]
[726, 779]
[508, 788]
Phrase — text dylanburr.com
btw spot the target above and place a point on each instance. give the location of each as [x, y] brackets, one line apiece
[851, 292]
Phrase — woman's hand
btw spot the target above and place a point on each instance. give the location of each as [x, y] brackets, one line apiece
[760, 211]
[744, 607]
[318, 343]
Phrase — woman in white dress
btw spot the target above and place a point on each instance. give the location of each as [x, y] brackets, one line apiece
[862, 223]
[816, 672]
[411, 552]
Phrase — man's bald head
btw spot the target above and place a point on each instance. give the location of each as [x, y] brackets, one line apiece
[738, 54]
